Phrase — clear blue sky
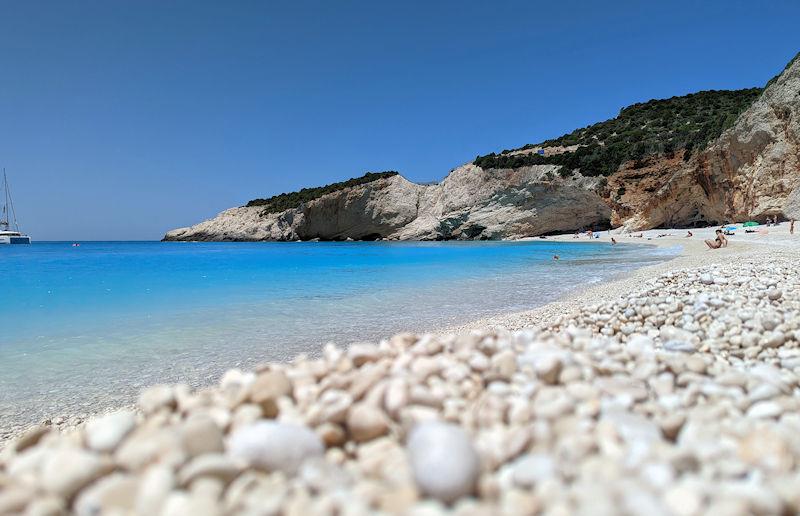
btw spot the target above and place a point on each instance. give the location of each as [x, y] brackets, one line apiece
[121, 120]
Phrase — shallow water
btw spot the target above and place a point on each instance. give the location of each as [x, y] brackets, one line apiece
[86, 327]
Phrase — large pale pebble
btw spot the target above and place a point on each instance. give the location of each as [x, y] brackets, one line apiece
[154, 488]
[360, 354]
[765, 409]
[235, 387]
[530, 470]
[504, 363]
[105, 433]
[156, 397]
[773, 339]
[640, 346]
[677, 339]
[14, 499]
[275, 446]
[147, 445]
[366, 422]
[200, 435]
[331, 407]
[268, 388]
[548, 368]
[29, 437]
[443, 459]
[396, 396]
[770, 321]
[67, 470]
[213, 465]
[50, 505]
[683, 500]
[683, 346]
[114, 494]
[181, 503]
[763, 391]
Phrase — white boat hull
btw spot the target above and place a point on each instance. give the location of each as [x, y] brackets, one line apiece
[21, 239]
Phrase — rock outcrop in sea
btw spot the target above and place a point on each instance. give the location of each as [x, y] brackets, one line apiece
[750, 171]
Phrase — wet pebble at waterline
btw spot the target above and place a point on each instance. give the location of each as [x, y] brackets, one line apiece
[680, 398]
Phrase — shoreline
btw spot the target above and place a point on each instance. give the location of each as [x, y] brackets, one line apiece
[693, 253]
[672, 390]
[89, 398]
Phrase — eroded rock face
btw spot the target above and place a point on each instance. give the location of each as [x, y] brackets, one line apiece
[470, 203]
[755, 166]
[752, 170]
[363, 212]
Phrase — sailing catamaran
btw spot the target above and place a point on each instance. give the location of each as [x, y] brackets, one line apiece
[9, 229]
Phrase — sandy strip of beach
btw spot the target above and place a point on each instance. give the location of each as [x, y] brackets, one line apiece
[693, 253]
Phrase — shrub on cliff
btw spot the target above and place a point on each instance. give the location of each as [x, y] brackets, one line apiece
[287, 201]
[641, 130]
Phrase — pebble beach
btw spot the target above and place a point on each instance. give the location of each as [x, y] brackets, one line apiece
[673, 390]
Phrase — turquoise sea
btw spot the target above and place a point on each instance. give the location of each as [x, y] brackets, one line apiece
[88, 326]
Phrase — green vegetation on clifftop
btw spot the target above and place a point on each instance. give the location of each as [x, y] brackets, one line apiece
[650, 128]
[288, 201]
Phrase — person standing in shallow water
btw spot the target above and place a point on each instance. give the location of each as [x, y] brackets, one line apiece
[718, 242]
[791, 227]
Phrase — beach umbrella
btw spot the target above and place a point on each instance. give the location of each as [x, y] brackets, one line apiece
[750, 223]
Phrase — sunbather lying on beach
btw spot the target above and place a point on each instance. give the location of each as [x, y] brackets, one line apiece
[718, 242]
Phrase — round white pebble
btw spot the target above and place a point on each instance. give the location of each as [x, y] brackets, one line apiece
[275, 446]
[443, 459]
[106, 432]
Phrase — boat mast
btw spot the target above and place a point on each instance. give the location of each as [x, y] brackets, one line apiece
[4, 220]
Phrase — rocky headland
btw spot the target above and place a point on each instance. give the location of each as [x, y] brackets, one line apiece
[700, 159]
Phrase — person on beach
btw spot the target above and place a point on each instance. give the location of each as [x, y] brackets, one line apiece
[791, 227]
[718, 242]
[688, 234]
[613, 241]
